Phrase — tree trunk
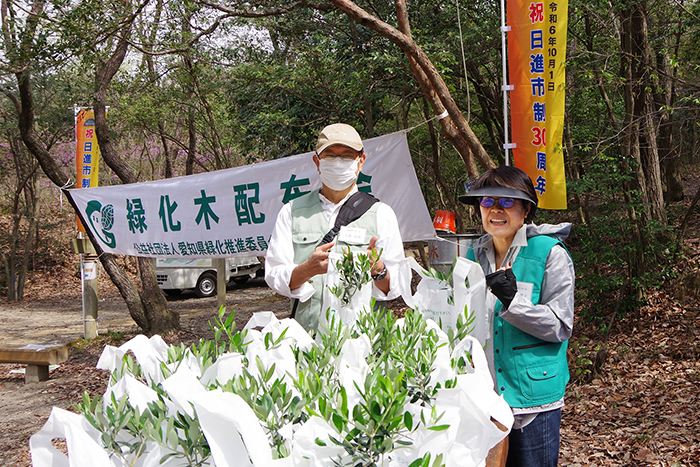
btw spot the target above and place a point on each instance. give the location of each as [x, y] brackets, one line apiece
[629, 149]
[6, 264]
[24, 106]
[686, 218]
[490, 100]
[24, 205]
[173, 149]
[152, 313]
[642, 71]
[671, 166]
[450, 131]
[32, 203]
[695, 151]
[573, 170]
[191, 143]
[191, 115]
[153, 77]
[664, 97]
[168, 166]
[11, 270]
[56, 174]
[456, 129]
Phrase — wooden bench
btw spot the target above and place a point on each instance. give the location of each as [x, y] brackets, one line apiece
[36, 357]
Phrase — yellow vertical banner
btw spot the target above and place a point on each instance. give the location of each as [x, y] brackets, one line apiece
[536, 56]
[87, 153]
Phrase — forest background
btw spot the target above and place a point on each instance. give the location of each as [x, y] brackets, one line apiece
[199, 85]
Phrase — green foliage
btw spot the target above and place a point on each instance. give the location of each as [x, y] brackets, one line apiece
[445, 277]
[579, 363]
[398, 372]
[254, 89]
[180, 434]
[354, 270]
[111, 421]
[607, 249]
[209, 351]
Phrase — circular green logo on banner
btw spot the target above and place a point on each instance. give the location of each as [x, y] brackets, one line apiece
[101, 216]
[107, 214]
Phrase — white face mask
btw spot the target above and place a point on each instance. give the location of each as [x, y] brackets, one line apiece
[338, 173]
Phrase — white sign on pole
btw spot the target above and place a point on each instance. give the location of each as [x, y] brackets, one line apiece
[232, 212]
[89, 270]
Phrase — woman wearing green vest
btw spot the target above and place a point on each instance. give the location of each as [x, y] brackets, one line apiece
[531, 310]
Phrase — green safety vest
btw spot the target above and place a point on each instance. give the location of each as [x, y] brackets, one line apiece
[529, 371]
[309, 225]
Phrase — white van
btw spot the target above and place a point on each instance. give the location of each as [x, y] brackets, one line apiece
[177, 274]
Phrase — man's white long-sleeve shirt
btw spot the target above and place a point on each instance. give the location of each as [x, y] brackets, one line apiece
[279, 262]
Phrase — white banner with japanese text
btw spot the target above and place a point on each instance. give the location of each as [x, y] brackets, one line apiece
[232, 212]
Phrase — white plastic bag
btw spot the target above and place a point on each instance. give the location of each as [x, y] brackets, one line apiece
[82, 441]
[237, 437]
[84, 446]
[347, 313]
[443, 302]
[468, 409]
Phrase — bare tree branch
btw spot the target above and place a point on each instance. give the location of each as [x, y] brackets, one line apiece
[406, 43]
[187, 45]
[15, 101]
[250, 13]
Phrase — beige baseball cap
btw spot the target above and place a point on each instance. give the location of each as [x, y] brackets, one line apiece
[339, 133]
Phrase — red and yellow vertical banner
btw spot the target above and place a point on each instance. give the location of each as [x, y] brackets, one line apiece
[536, 56]
[87, 154]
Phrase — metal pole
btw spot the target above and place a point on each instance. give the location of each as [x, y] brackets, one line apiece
[88, 272]
[220, 281]
[505, 87]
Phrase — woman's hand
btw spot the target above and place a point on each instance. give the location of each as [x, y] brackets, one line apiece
[503, 285]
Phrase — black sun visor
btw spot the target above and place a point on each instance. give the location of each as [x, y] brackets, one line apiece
[497, 192]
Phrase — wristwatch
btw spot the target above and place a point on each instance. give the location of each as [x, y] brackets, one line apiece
[381, 275]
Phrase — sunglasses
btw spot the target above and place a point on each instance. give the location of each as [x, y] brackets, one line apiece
[505, 203]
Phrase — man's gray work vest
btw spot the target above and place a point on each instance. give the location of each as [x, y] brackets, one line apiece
[309, 225]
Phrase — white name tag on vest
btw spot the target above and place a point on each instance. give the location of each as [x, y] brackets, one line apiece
[352, 235]
[525, 288]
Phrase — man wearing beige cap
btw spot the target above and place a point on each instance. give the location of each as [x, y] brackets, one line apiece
[308, 228]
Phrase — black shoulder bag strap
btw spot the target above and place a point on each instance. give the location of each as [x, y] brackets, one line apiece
[355, 206]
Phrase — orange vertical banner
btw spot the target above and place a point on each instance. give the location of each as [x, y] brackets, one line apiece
[87, 153]
[536, 56]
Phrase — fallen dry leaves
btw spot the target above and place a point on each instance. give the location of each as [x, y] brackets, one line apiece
[642, 407]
